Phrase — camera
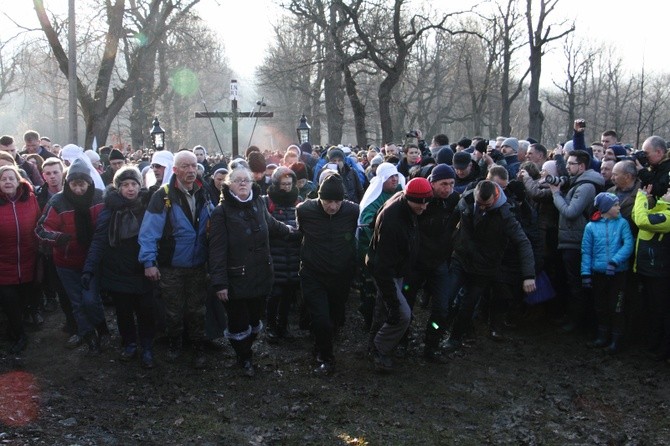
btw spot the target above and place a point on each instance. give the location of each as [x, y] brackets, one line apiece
[411, 134]
[640, 156]
[555, 180]
[581, 124]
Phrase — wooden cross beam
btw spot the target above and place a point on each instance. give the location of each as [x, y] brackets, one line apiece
[234, 115]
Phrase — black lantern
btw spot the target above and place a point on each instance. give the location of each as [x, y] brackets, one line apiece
[303, 130]
[157, 135]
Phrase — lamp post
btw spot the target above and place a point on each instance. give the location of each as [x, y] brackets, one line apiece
[303, 130]
[157, 135]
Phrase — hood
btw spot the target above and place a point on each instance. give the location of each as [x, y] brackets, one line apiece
[590, 176]
[502, 199]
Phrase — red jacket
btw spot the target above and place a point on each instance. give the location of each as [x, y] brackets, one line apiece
[18, 244]
[57, 219]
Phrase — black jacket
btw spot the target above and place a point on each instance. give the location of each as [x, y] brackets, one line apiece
[329, 242]
[239, 246]
[395, 244]
[656, 176]
[481, 239]
[436, 228]
[285, 253]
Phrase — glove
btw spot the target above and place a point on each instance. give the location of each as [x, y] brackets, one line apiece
[611, 269]
[63, 239]
[586, 282]
[86, 280]
[393, 317]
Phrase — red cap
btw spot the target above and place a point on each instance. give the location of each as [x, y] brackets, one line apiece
[418, 190]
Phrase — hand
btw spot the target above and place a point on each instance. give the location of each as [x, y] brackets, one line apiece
[419, 135]
[152, 273]
[222, 295]
[522, 175]
[554, 188]
[586, 282]
[611, 269]
[86, 278]
[578, 125]
[63, 239]
[558, 150]
[529, 285]
[647, 189]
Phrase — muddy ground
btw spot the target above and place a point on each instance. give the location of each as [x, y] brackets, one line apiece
[541, 387]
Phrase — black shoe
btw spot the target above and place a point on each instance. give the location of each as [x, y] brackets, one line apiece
[174, 348]
[216, 345]
[434, 357]
[570, 327]
[19, 345]
[104, 341]
[93, 343]
[51, 305]
[497, 336]
[129, 352]
[148, 359]
[74, 342]
[382, 363]
[248, 368]
[452, 345]
[325, 368]
[199, 358]
[272, 335]
[615, 346]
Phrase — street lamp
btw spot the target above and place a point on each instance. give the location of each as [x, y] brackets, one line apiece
[303, 130]
[157, 135]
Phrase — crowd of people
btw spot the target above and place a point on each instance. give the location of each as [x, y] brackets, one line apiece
[197, 248]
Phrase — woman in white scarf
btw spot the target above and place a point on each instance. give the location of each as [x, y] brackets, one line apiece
[384, 172]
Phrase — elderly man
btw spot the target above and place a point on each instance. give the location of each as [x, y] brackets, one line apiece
[173, 250]
[658, 172]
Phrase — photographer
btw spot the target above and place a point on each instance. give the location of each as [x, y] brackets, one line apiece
[574, 209]
[656, 173]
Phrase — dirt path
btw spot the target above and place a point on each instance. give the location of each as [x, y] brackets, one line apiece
[539, 387]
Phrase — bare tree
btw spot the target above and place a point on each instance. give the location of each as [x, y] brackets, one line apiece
[539, 35]
[98, 108]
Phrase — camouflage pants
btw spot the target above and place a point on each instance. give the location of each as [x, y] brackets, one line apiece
[183, 292]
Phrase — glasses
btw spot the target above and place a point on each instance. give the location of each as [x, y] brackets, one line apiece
[242, 181]
[157, 166]
[572, 163]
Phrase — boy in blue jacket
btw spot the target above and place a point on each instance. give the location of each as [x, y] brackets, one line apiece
[606, 247]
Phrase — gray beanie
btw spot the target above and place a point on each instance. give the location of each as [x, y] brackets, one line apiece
[511, 142]
[79, 170]
[127, 173]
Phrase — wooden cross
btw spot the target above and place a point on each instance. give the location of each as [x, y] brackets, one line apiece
[234, 115]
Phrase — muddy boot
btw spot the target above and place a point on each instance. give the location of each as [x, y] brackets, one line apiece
[601, 338]
[104, 337]
[431, 344]
[93, 343]
[199, 358]
[615, 346]
[272, 333]
[174, 348]
[148, 354]
[129, 352]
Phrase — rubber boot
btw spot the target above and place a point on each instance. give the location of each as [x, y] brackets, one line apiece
[601, 338]
[615, 346]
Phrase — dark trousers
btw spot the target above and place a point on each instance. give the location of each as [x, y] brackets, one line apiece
[657, 301]
[12, 300]
[325, 297]
[279, 302]
[130, 306]
[608, 292]
[53, 282]
[474, 286]
[580, 302]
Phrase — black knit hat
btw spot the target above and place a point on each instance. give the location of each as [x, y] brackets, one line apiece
[332, 188]
[116, 154]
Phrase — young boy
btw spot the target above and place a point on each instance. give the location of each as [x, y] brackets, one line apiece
[606, 247]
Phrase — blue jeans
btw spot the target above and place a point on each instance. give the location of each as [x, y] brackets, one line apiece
[86, 304]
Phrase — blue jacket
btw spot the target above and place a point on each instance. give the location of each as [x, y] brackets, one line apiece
[606, 240]
[185, 241]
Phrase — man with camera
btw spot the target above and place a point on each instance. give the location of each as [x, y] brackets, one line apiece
[574, 209]
[657, 172]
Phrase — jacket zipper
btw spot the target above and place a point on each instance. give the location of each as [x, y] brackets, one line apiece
[18, 242]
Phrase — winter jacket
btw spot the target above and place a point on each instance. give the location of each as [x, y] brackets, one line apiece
[321, 163]
[395, 244]
[58, 218]
[481, 239]
[116, 241]
[658, 176]
[606, 240]
[436, 230]
[18, 244]
[183, 243]
[627, 201]
[652, 252]
[329, 241]
[285, 253]
[239, 246]
[574, 209]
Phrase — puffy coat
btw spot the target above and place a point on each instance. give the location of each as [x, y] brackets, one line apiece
[606, 240]
[653, 241]
[58, 218]
[185, 241]
[116, 241]
[285, 253]
[18, 244]
[239, 246]
[575, 208]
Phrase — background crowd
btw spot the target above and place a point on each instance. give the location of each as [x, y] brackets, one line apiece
[194, 248]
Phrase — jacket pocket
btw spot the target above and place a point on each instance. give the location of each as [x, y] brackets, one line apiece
[237, 271]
